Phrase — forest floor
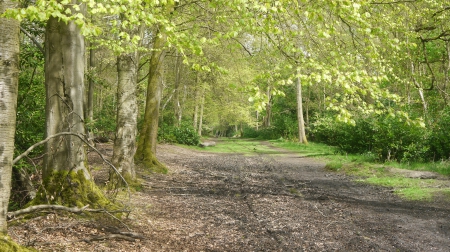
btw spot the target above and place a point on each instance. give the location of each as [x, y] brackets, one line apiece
[264, 202]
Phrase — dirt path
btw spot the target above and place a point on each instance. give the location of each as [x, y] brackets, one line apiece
[231, 202]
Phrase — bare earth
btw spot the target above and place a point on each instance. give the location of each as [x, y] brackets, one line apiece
[231, 202]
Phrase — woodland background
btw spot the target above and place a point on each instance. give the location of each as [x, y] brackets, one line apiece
[371, 77]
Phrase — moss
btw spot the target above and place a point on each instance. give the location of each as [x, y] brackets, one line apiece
[71, 189]
[133, 183]
[148, 160]
[8, 245]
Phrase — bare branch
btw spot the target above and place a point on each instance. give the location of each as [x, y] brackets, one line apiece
[76, 210]
[38, 45]
[45, 207]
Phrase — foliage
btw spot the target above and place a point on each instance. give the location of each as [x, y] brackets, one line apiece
[439, 139]
[31, 99]
[185, 134]
[387, 136]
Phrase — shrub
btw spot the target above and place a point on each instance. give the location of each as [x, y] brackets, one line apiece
[387, 137]
[185, 134]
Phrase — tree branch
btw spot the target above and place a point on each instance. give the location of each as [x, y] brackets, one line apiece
[76, 210]
[31, 209]
[38, 45]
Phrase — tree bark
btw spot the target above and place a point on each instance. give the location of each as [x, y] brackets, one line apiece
[9, 80]
[178, 112]
[300, 120]
[127, 112]
[64, 82]
[268, 117]
[200, 121]
[197, 96]
[146, 150]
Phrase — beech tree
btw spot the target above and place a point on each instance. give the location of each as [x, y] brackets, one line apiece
[146, 149]
[9, 79]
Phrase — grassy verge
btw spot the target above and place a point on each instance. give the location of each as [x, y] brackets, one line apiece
[367, 170]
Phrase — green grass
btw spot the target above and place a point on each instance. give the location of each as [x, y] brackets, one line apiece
[310, 149]
[441, 167]
[241, 146]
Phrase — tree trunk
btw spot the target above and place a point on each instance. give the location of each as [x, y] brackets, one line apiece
[268, 117]
[301, 122]
[127, 112]
[64, 80]
[9, 80]
[197, 96]
[200, 122]
[146, 151]
[176, 101]
[90, 95]
[67, 180]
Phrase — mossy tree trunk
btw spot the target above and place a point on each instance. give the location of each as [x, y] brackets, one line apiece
[67, 180]
[146, 150]
[9, 79]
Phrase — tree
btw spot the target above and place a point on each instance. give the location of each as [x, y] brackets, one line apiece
[9, 74]
[146, 149]
[127, 112]
[300, 120]
[66, 177]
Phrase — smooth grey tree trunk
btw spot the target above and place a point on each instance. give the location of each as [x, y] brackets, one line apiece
[197, 96]
[64, 82]
[178, 111]
[127, 112]
[300, 120]
[200, 121]
[9, 79]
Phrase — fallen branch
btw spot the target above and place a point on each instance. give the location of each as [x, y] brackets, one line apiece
[46, 207]
[76, 210]
[111, 236]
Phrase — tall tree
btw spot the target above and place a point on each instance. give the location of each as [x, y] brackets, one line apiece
[127, 112]
[300, 120]
[65, 173]
[146, 149]
[9, 78]
[64, 80]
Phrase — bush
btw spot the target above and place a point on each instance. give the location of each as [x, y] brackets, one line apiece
[185, 134]
[388, 137]
[439, 139]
